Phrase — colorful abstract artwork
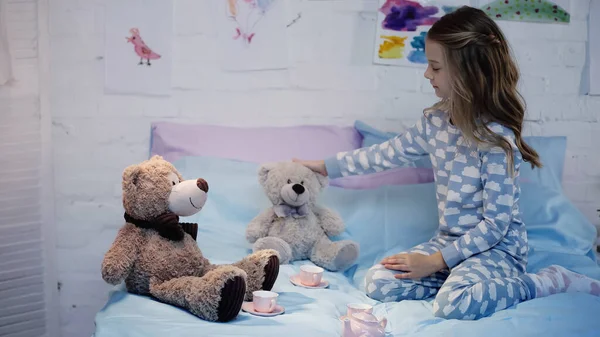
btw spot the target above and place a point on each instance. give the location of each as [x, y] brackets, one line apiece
[541, 11]
[252, 34]
[138, 42]
[402, 27]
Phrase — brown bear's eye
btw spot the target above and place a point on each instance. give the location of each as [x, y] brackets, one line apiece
[289, 181]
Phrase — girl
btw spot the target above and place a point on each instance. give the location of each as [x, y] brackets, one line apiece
[475, 265]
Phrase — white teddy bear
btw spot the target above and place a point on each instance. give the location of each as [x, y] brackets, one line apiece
[296, 226]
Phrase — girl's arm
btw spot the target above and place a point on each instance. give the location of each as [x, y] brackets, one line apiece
[499, 191]
[398, 151]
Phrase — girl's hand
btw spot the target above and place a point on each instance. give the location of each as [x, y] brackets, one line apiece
[315, 165]
[415, 265]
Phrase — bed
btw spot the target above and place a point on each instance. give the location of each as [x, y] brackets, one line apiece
[384, 218]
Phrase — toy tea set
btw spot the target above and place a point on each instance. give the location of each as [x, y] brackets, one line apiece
[358, 320]
[264, 303]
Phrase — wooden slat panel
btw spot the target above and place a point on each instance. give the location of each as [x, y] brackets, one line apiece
[33, 243]
[13, 136]
[20, 174]
[17, 204]
[19, 282]
[23, 326]
[22, 307]
[22, 168]
[21, 158]
[8, 229]
[21, 212]
[23, 254]
[16, 154]
[22, 317]
[21, 192]
[19, 309]
[19, 264]
[20, 218]
[35, 332]
[18, 201]
[31, 298]
[10, 147]
[20, 273]
[15, 184]
[15, 148]
[19, 292]
[12, 122]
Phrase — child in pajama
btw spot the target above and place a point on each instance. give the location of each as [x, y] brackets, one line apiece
[475, 264]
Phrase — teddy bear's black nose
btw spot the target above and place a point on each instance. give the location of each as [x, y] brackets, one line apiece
[298, 188]
[202, 184]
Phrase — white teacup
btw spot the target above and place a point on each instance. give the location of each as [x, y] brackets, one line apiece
[311, 275]
[264, 301]
[353, 308]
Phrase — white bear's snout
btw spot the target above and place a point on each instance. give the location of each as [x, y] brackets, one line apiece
[295, 194]
[188, 197]
[299, 189]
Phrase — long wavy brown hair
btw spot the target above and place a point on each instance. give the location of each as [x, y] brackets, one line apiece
[483, 78]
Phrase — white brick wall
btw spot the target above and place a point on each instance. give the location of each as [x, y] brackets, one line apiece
[332, 81]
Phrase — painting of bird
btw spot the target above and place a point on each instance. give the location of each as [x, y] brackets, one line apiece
[140, 47]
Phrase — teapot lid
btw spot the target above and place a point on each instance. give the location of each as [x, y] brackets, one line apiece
[365, 317]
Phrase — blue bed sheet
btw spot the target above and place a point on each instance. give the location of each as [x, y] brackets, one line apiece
[384, 221]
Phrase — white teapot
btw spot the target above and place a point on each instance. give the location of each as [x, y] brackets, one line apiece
[363, 324]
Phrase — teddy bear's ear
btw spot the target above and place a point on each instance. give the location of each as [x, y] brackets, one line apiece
[263, 172]
[156, 157]
[131, 174]
[323, 181]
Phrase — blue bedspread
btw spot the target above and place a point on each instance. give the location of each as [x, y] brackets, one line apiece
[384, 221]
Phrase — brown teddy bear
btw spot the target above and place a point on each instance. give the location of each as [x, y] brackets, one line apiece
[158, 256]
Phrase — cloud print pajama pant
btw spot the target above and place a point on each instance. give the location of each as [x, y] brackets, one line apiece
[477, 287]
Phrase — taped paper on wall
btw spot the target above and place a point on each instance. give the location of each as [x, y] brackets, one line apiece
[138, 44]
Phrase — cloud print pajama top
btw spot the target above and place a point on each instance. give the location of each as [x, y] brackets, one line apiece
[481, 236]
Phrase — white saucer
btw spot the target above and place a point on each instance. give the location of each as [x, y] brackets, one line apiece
[249, 307]
[295, 279]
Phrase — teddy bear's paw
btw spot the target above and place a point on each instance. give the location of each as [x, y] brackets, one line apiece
[271, 272]
[223, 293]
[216, 296]
[262, 268]
[113, 270]
[232, 297]
[346, 256]
[272, 243]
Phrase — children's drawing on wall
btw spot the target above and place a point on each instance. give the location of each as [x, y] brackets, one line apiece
[247, 14]
[402, 27]
[541, 11]
[138, 47]
[252, 34]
